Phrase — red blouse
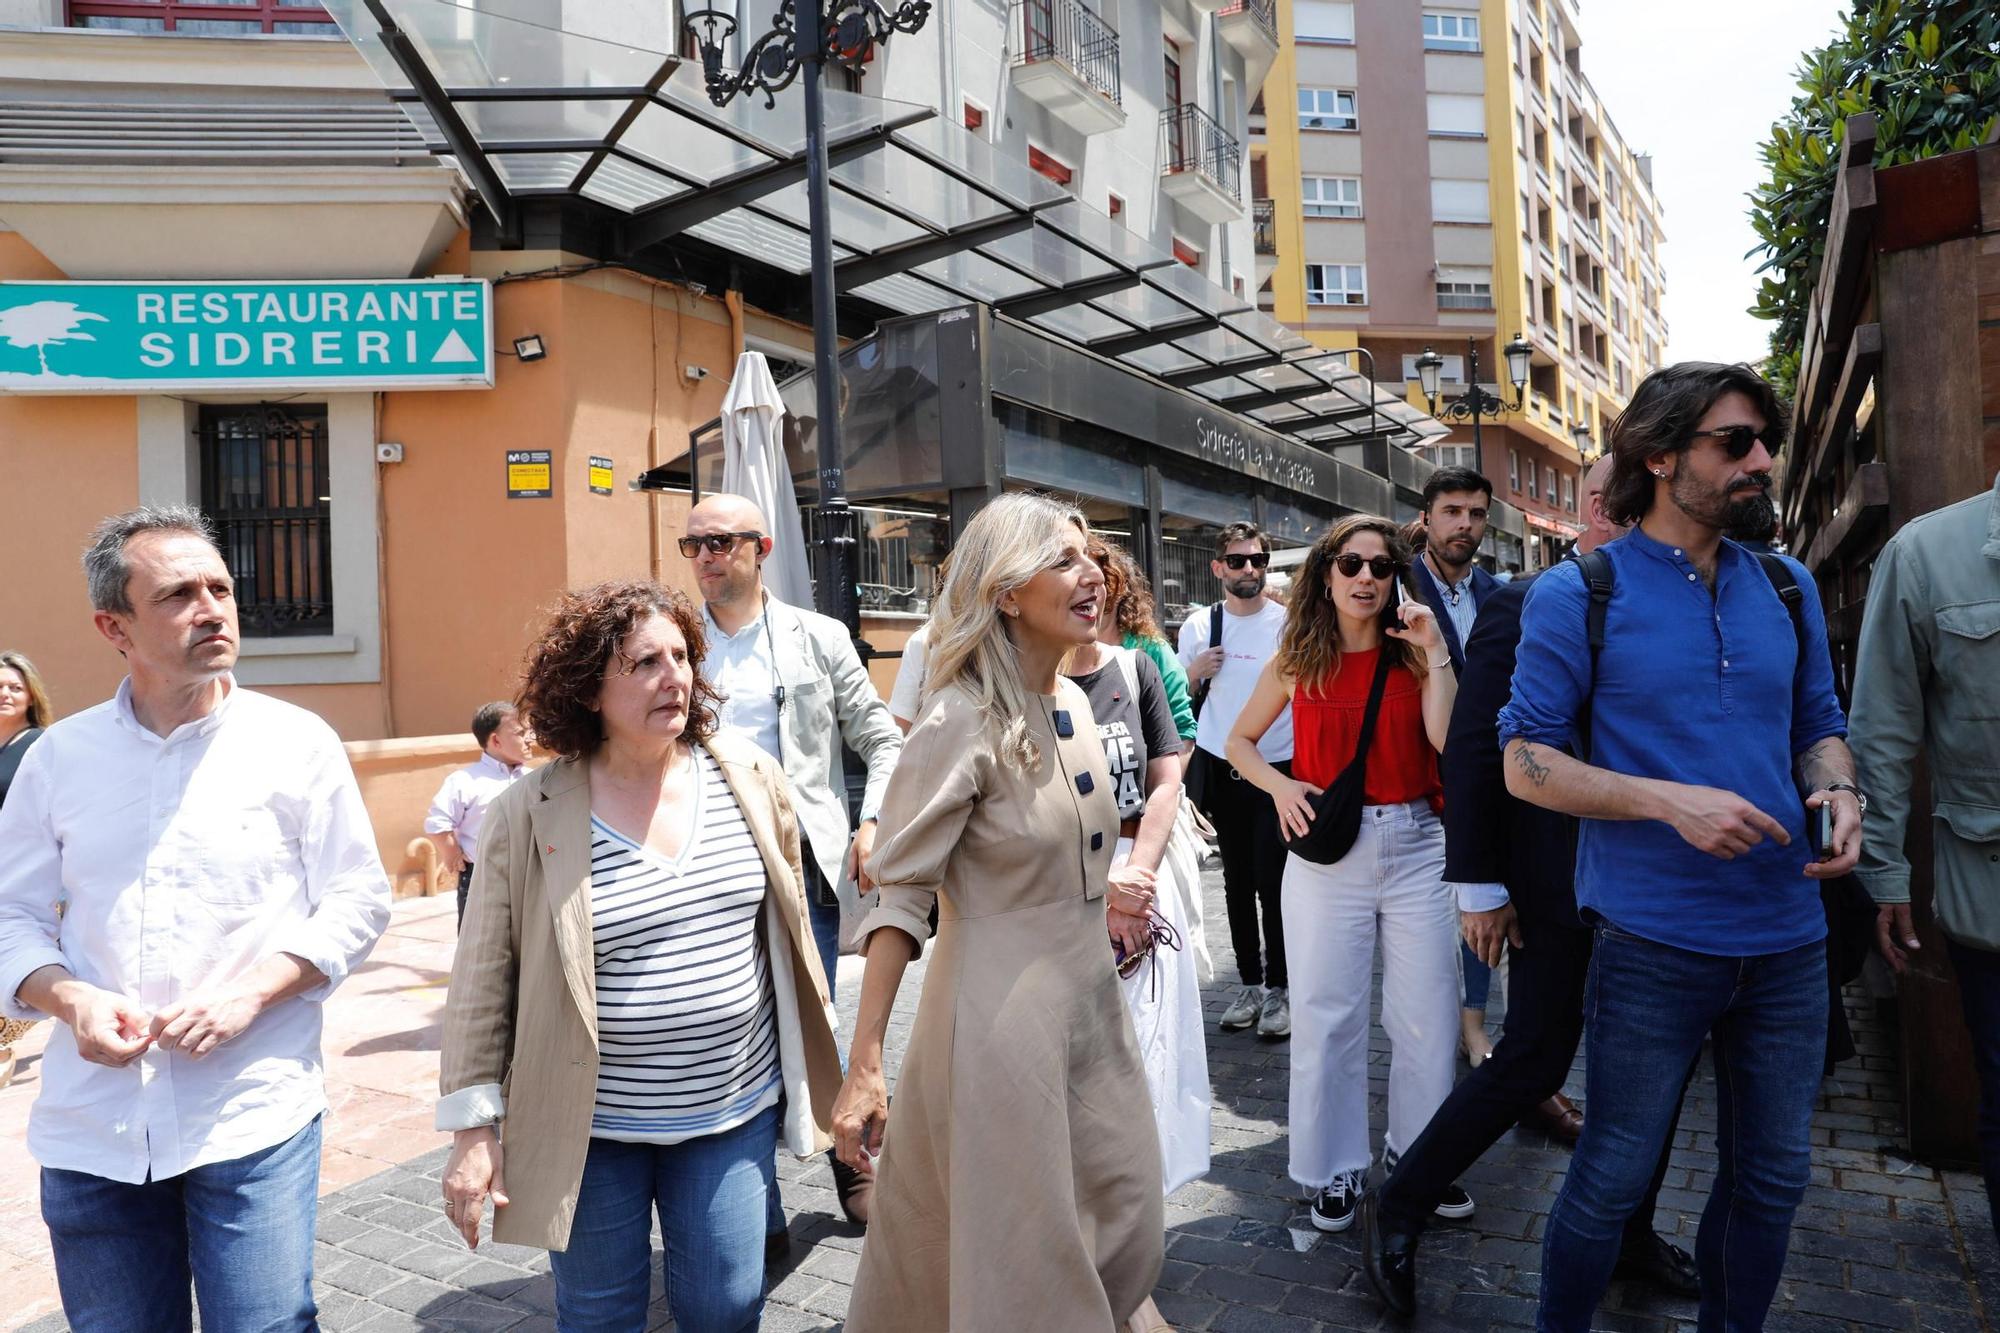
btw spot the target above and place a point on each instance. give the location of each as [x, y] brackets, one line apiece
[1326, 726]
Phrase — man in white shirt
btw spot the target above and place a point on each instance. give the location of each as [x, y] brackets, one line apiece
[189, 871]
[1222, 674]
[459, 808]
[907, 694]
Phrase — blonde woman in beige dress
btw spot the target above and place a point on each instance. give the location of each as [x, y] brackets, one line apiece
[1019, 1186]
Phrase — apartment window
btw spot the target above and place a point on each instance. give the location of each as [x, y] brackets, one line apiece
[213, 18]
[265, 487]
[1621, 377]
[1451, 372]
[1336, 284]
[1549, 476]
[1327, 109]
[1534, 475]
[1465, 289]
[1569, 492]
[1451, 32]
[1460, 201]
[1323, 21]
[1048, 166]
[1331, 196]
[1173, 55]
[1459, 114]
[1514, 471]
[1453, 455]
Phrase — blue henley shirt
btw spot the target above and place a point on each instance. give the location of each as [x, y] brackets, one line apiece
[1690, 688]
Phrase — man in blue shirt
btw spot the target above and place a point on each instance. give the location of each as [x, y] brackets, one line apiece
[1709, 727]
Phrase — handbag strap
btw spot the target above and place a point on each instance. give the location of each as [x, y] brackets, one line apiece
[1375, 688]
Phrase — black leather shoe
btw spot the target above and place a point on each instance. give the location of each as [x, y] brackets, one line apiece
[1660, 1263]
[1390, 1261]
[855, 1190]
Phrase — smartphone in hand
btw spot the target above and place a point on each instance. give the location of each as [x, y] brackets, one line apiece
[1819, 830]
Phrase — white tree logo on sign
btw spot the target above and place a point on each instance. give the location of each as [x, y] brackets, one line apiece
[42, 325]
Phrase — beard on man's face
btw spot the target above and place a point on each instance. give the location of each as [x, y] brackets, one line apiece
[1744, 503]
[1751, 517]
[1246, 584]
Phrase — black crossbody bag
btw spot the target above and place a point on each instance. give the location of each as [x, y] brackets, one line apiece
[1194, 785]
[1337, 810]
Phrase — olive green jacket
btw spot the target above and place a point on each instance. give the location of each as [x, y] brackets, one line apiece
[1928, 678]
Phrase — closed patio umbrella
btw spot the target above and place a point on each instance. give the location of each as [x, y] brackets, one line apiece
[754, 466]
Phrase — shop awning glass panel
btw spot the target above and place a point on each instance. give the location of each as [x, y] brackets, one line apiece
[926, 215]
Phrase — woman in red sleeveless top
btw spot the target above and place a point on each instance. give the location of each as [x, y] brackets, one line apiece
[1347, 608]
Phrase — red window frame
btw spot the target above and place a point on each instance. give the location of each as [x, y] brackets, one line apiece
[1186, 253]
[975, 118]
[264, 13]
[1049, 167]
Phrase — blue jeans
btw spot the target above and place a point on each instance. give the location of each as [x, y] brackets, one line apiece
[241, 1231]
[1478, 978]
[1646, 1009]
[710, 1195]
[1979, 992]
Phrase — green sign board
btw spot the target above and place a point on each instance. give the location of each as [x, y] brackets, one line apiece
[156, 337]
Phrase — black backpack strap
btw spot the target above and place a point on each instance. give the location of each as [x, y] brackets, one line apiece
[1789, 592]
[1214, 641]
[1600, 580]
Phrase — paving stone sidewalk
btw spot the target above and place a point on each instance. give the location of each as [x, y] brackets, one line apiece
[1881, 1242]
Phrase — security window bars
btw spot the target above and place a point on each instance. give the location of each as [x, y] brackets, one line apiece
[1331, 196]
[1327, 109]
[1071, 33]
[1336, 284]
[1451, 32]
[213, 18]
[265, 488]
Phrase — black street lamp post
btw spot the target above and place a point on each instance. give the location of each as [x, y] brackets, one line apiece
[805, 38]
[1475, 402]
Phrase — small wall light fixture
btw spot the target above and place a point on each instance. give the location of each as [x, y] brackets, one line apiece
[530, 348]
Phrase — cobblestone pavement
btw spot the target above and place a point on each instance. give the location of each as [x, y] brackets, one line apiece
[1881, 1242]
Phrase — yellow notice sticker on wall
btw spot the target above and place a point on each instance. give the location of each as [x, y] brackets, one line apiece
[600, 475]
[528, 474]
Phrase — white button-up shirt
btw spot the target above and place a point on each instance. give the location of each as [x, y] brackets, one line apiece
[155, 866]
[459, 808]
[742, 667]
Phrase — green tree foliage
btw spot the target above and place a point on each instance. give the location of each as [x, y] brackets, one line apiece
[1930, 72]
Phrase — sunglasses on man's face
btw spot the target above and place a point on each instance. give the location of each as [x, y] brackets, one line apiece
[1737, 440]
[1349, 564]
[718, 543]
[1255, 559]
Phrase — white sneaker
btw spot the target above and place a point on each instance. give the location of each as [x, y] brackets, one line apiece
[1274, 1017]
[1244, 1009]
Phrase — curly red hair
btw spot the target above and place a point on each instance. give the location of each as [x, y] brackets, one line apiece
[565, 666]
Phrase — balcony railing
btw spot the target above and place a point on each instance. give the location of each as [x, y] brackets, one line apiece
[1072, 34]
[1264, 13]
[1264, 226]
[1191, 140]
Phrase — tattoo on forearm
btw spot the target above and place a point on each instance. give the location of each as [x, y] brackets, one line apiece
[1536, 771]
[1825, 761]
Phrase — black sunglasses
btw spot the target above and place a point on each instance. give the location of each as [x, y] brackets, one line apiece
[1349, 564]
[718, 543]
[1737, 440]
[1256, 560]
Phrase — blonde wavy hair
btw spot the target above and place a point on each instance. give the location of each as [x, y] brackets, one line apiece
[1007, 543]
[40, 712]
[1309, 649]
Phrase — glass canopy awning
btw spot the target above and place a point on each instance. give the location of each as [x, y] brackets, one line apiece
[926, 215]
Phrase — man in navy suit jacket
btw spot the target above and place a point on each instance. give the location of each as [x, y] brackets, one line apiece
[1456, 501]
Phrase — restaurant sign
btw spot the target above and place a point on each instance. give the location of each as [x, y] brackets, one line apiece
[157, 337]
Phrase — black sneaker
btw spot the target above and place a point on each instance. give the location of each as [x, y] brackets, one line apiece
[1456, 1203]
[1333, 1207]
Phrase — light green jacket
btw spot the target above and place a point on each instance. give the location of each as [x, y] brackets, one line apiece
[1928, 677]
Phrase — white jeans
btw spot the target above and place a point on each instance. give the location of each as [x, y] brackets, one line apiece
[1391, 884]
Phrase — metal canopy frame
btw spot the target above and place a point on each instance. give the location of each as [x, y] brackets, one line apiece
[927, 216]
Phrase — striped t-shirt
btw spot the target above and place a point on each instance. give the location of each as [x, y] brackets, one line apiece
[687, 1028]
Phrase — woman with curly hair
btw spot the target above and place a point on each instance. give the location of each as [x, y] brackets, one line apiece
[1131, 620]
[1346, 620]
[1019, 1186]
[636, 1000]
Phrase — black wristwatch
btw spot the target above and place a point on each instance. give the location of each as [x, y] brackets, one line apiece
[1860, 796]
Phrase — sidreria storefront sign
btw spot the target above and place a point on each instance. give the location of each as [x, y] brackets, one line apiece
[153, 337]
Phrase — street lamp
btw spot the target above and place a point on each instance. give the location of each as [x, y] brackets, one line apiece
[1475, 403]
[805, 38]
[1584, 443]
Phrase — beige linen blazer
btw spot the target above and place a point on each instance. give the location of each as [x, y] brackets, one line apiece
[520, 1028]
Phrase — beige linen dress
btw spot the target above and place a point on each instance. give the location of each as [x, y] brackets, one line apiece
[1019, 1186]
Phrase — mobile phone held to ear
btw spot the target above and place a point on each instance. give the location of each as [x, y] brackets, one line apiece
[1819, 829]
[1392, 612]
